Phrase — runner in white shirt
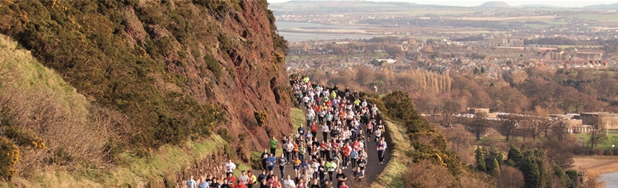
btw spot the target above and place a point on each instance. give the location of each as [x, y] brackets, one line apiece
[289, 182]
[325, 130]
[229, 166]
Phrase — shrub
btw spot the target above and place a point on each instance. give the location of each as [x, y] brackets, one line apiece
[25, 137]
[609, 152]
[170, 180]
[224, 43]
[112, 150]
[213, 65]
[225, 134]
[256, 160]
[278, 60]
[261, 117]
[427, 174]
[9, 156]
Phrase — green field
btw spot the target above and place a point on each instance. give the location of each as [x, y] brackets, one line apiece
[577, 46]
[612, 139]
[598, 17]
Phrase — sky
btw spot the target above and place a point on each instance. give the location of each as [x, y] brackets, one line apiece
[563, 3]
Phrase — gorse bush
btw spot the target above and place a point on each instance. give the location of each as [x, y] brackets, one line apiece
[25, 137]
[429, 144]
[9, 156]
[118, 52]
[261, 117]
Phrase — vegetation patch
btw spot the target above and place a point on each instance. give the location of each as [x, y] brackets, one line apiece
[260, 117]
[213, 65]
[25, 137]
[9, 156]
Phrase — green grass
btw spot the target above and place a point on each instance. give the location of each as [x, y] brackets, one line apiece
[577, 46]
[19, 69]
[392, 176]
[298, 117]
[612, 138]
[537, 26]
[166, 161]
[598, 17]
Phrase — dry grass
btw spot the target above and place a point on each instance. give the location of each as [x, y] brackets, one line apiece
[596, 164]
[35, 97]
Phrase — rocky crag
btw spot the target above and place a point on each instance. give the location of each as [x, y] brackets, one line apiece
[174, 69]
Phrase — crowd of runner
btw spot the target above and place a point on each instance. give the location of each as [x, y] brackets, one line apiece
[346, 124]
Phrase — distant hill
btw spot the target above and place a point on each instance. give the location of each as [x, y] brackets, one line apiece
[495, 4]
[603, 6]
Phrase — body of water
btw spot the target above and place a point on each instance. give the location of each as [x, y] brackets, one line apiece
[309, 25]
[297, 37]
[305, 36]
[611, 179]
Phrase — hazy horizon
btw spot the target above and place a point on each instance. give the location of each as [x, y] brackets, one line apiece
[572, 4]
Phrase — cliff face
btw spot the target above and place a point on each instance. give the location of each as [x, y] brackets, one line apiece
[174, 68]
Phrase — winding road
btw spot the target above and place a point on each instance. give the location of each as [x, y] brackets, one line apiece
[373, 168]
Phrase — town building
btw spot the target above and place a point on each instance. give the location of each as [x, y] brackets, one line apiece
[605, 120]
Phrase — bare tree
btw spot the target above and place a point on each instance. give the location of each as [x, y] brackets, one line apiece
[597, 134]
[450, 108]
[531, 126]
[545, 126]
[509, 127]
[479, 123]
[559, 127]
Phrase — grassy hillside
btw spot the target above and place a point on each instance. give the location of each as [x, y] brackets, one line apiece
[420, 154]
[33, 98]
[169, 66]
[36, 101]
[116, 93]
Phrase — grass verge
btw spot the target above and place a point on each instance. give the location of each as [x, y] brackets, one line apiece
[163, 164]
[298, 118]
[392, 174]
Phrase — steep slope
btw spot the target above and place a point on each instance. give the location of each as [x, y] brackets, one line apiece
[421, 157]
[55, 125]
[175, 68]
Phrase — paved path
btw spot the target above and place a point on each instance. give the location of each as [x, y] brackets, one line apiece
[372, 170]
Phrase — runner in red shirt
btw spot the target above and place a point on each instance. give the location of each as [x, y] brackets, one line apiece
[345, 152]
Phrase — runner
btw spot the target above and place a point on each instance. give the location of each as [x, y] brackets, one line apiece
[354, 157]
[282, 161]
[331, 166]
[203, 184]
[244, 178]
[253, 179]
[359, 174]
[288, 149]
[273, 145]
[264, 157]
[229, 167]
[191, 183]
[296, 164]
[341, 178]
[325, 130]
[270, 163]
[289, 183]
[381, 148]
